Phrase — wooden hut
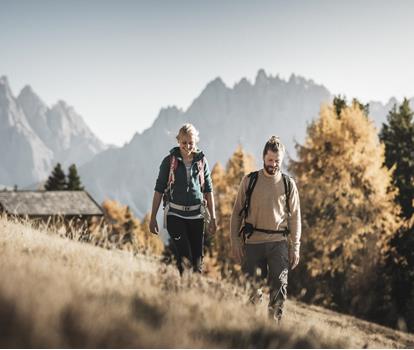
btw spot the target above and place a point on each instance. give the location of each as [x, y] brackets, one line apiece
[50, 205]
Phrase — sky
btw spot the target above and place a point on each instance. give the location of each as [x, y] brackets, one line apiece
[119, 62]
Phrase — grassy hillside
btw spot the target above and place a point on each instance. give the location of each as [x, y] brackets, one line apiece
[55, 292]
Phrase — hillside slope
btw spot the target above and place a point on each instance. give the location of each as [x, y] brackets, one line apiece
[60, 293]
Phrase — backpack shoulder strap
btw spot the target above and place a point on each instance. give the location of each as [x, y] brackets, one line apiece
[250, 187]
[200, 165]
[168, 193]
[173, 167]
[288, 190]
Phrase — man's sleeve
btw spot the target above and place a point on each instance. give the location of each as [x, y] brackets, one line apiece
[295, 224]
[236, 219]
[162, 180]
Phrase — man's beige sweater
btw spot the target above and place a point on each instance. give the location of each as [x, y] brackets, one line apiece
[268, 210]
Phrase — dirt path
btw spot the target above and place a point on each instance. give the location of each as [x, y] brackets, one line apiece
[359, 333]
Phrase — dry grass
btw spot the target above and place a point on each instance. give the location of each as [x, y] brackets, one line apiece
[59, 293]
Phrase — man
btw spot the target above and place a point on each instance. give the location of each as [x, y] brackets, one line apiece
[266, 226]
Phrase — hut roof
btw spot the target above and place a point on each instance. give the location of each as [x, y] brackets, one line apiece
[39, 203]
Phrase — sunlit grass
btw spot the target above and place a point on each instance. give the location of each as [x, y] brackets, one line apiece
[56, 292]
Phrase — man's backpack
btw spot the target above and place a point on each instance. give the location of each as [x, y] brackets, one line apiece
[252, 183]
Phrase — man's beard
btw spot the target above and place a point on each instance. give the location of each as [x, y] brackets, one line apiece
[270, 169]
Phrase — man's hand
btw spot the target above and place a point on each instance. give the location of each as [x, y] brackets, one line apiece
[237, 251]
[153, 226]
[293, 258]
[212, 227]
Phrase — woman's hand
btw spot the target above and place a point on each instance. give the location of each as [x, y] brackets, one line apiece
[153, 226]
[212, 227]
[156, 201]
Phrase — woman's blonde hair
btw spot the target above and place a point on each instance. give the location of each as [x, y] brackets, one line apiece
[188, 129]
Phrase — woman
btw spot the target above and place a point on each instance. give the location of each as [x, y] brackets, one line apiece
[184, 181]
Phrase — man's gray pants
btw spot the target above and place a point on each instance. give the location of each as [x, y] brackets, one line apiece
[272, 260]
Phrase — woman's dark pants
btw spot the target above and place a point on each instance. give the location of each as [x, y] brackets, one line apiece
[187, 238]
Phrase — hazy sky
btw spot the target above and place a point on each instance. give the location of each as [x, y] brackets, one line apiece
[119, 62]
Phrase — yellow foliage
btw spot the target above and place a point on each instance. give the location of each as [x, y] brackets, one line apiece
[226, 185]
[114, 211]
[127, 232]
[347, 203]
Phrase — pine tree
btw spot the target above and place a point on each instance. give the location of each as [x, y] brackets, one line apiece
[74, 182]
[339, 103]
[348, 210]
[398, 137]
[57, 180]
[363, 107]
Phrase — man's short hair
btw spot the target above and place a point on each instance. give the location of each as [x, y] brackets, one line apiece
[275, 145]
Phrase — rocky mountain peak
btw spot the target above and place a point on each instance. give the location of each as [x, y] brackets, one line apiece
[261, 78]
[32, 104]
[4, 80]
[38, 137]
[5, 90]
[216, 85]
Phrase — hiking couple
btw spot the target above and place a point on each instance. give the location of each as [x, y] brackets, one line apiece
[265, 223]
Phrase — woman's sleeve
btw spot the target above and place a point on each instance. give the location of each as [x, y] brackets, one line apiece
[208, 183]
[162, 180]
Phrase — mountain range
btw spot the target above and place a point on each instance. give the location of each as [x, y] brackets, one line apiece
[247, 114]
[34, 137]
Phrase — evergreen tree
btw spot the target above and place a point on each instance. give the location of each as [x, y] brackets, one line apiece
[57, 180]
[339, 103]
[398, 137]
[348, 211]
[363, 107]
[74, 182]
